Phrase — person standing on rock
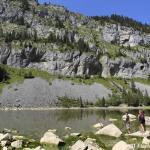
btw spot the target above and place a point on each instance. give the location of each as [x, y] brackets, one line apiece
[127, 123]
[141, 118]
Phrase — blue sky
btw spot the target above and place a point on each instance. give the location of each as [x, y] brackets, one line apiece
[136, 9]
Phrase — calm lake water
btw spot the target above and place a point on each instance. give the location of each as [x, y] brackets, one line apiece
[36, 123]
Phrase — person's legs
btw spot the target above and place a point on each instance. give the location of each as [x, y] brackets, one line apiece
[142, 127]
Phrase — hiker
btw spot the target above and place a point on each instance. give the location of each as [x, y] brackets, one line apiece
[127, 123]
[141, 118]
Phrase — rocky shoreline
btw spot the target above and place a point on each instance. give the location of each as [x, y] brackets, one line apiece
[75, 108]
[11, 139]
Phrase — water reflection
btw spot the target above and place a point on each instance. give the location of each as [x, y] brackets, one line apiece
[37, 122]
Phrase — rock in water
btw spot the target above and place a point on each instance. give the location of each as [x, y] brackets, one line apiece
[98, 125]
[121, 146]
[110, 130]
[51, 138]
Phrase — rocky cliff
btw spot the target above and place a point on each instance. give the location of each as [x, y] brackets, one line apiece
[51, 38]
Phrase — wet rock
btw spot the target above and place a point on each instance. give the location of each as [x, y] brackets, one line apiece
[110, 130]
[51, 138]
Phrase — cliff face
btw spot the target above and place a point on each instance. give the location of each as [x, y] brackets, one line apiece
[51, 38]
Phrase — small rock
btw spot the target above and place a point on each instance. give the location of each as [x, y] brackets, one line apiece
[139, 134]
[52, 130]
[3, 143]
[79, 145]
[39, 148]
[91, 143]
[17, 144]
[75, 134]
[5, 148]
[146, 141]
[98, 125]
[6, 136]
[67, 128]
[17, 137]
[112, 119]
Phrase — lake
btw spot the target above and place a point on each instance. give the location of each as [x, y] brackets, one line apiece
[35, 123]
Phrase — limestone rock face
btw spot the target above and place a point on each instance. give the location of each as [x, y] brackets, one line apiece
[110, 130]
[51, 138]
[66, 43]
[123, 35]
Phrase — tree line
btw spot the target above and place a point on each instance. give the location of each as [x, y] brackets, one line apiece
[123, 21]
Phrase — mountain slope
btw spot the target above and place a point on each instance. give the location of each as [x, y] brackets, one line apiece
[53, 39]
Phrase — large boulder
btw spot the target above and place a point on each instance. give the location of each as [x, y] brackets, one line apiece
[51, 138]
[121, 146]
[110, 130]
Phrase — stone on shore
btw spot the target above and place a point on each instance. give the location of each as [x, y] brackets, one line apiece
[5, 148]
[39, 148]
[17, 144]
[98, 125]
[112, 119]
[52, 130]
[131, 116]
[121, 146]
[110, 130]
[91, 143]
[79, 145]
[3, 143]
[146, 141]
[139, 134]
[67, 128]
[6, 136]
[147, 120]
[51, 138]
[75, 134]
